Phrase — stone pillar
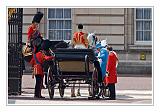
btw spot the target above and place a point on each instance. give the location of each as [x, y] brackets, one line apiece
[126, 29]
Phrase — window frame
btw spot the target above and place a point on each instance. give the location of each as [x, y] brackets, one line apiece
[135, 21]
[63, 19]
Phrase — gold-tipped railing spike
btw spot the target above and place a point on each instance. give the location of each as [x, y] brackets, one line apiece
[11, 11]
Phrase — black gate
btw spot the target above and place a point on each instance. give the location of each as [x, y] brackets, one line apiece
[15, 61]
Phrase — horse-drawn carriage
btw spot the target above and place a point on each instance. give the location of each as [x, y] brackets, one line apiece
[71, 65]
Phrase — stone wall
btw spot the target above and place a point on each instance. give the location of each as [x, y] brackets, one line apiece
[107, 23]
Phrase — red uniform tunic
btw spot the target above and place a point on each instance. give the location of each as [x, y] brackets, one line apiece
[80, 38]
[37, 68]
[32, 31]
[111, 68]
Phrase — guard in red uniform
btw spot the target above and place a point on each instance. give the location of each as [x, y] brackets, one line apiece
[111, 68]
[33, 31]
[37, 62]
[34, 37]
[80, 38]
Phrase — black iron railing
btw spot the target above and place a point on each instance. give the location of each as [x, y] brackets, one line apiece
[15, 68]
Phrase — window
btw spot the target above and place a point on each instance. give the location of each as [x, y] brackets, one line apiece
[143, 23]
[59, 24]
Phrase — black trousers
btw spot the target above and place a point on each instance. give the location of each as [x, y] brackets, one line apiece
[111, 87]
[38, 86]
[46, 82]
[97, 65]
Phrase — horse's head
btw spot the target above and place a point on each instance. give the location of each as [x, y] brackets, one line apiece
[92, 39]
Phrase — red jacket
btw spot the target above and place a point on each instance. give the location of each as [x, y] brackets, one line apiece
[32, 31]
[80, 38]
[111, 68]
[37, 68]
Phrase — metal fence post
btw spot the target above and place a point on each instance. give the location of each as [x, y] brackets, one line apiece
[15, 70]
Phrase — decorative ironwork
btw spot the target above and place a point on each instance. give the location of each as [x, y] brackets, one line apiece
[11, 11]
[15, 69]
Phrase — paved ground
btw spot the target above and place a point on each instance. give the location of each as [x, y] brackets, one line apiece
[130, 91]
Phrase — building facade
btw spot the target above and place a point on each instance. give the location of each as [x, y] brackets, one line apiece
[127, 30]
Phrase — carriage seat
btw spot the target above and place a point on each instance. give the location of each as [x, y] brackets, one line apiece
[73, 60]
[70, 54]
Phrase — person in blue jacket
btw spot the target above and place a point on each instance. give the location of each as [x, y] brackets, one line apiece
[103, 57]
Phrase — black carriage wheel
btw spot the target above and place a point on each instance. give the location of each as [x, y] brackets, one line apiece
[50, 83]
[94, 83]
[61, 89]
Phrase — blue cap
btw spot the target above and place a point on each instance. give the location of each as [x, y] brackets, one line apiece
[99, 46]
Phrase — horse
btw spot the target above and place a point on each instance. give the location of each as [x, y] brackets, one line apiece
[92, 39]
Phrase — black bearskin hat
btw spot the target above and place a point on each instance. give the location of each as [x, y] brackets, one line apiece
[37, 17]
[80, 26]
